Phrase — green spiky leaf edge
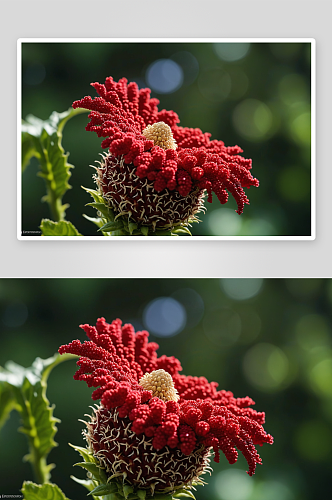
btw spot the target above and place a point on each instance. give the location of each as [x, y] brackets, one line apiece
[24, 389]
[117, 489]
[61, 228]
[42, 139]
[110, 224]
[47, 491]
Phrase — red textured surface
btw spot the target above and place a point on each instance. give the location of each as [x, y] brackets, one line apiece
[116, 358]
[120, 115]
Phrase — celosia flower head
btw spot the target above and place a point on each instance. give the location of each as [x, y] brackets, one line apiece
[156, 172]
[176, 419]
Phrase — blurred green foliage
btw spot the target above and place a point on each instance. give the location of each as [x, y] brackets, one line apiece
[269, 339]
[256, 95]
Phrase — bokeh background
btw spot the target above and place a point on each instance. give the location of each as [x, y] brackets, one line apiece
[269, 339]
[256, 95]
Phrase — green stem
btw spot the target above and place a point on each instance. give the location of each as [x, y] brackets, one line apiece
[38, 462]
[55, 205]
[39, 467]
[53, 200]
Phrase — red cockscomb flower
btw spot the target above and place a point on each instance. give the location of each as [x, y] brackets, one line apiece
[156, 173]
[155, 428]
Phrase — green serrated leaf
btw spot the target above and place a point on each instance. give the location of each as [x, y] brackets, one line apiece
[47, 491]
[28, 386]
[144, 230]
[42, 139]
[112, 226]
[104, 489]
[62, 228]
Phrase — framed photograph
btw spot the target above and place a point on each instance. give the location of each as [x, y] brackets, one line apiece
[197, 138]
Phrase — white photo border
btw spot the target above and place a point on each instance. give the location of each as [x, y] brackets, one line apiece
[312, 41]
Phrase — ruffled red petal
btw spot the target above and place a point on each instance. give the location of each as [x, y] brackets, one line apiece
[122, 112]
[114, 360]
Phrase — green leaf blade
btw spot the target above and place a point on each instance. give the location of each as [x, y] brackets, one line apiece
[28, 386]
[28, 149]
[184, 494]
[61, 228]
[97, 472]
[47, 491]
[181, 230]
[95, 220]
[85, 453]
[103, 209]
[87, 483]
[127, 490]
[95, 194]
[104, 489]
[90, 467]
[43, 140]
[112, 226]
[7, 402]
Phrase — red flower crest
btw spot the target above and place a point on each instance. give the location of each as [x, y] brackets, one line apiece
[114, 361]
[122, 113]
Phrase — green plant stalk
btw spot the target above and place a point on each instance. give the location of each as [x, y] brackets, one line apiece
[43, 139]
[38, 462]
[53, 200]
[56, 208]
[24, 389]
[40, 469]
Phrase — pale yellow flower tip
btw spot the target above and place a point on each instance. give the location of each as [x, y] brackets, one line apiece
[161, 134]
[161, 384]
